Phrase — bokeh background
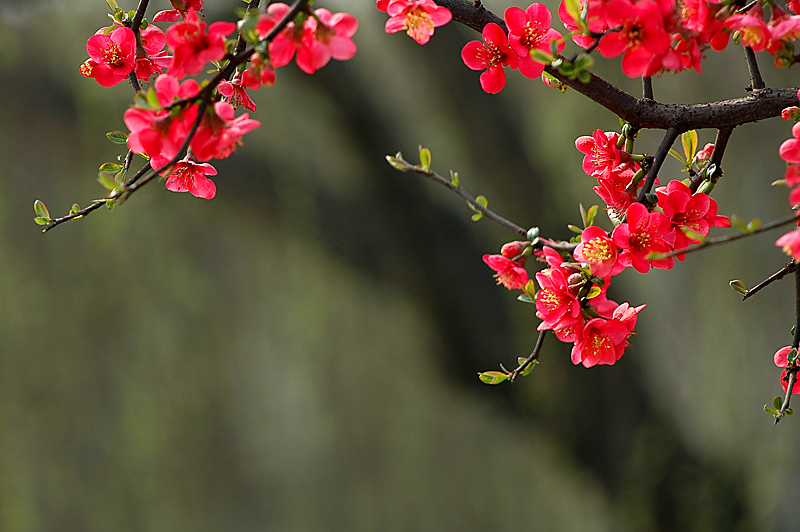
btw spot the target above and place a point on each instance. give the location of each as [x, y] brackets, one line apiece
[300, 353]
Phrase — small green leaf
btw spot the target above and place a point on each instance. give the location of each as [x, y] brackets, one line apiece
[680, 157]
[41, 209]
[777, 402]
[117, 137]
[583, 61]
[75, 209]
[769, 410]
[591, 214]
[492, 377]
[425, 157]
[525, 298]
[738, 223]
[689, 142]
[584, 76]
[394, 163]
[483, 202]
[110, 168]
[110, 204]
[454, 178]
[575, 229]
[792, 356]
[778, 183]
[530, 289]
[754, 224]
[789, 411]
[152, 98]
[106, 181]
[594, 292]
[738, 287]
[528, 368]
[541, 56]
[41, 220]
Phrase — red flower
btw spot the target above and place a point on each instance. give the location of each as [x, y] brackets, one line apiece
[781, 359]
[492, 55]
[529, 30]
[181, 8]
[556, 304]
[691, 215]
[326, 36]
[235, 93]
[752, 26]
[111, 57]
[599, 252]
[417, 17]
[220, 133]
[602, 155]
[601, 342]
[641, 235]
[509, 265]
[790, 243]
[641, 38]
[790, 149]
[189, 176]
[192, 46]
[160, 133]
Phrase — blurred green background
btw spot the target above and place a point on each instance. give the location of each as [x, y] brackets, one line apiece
[300, 353]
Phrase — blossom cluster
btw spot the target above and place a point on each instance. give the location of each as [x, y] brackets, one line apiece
[175, 115]
[571, 300]
[790, 152]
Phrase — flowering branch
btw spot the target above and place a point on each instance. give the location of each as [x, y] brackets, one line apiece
[532, 359]
[792, 372]
[658, 160]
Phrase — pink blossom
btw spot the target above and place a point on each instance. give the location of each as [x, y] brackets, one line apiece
[601, 153]
[598, 250]
[641, 235]
[193, 47]
[752, 26]
[417, 18]
[602, 341]
[189, 176]
[182, 7]
[530, 30]
[490, 55]
[234, 92]
[111, 57]
[781, 359]
[509, 265]
[790, 149]
[326, 36]
[691, 215]
[596, 21]
[641, 38]
[556, 304]
[220, 133]
[160, 133]
[790, 243]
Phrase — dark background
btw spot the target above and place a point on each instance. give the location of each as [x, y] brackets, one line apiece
[300, 353]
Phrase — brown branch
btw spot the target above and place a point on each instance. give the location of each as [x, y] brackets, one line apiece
[646, 113]
[777, 276]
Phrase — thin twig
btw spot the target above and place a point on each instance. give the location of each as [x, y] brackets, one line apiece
[647, 88]
[795, 343]
[756, 82]
[661, 154]
[777, 276]
[534, 356]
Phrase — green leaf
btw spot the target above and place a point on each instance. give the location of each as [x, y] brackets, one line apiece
[583, 61]
[425, 157]
[792, 356]
[525, 298]
[541, 56]
[454, 178]
[110, 168]
[106, 181]
[492, 377]
[594, 292]
[152, 98]
[529, 368]
[483, 202]
[41, 209]
[678, 156]
[575, 229]
[591, 214]
[394, 163]
[777, 402]
[110, 204]
[738, 287]
[41, 220]
[689, 142]
[117, 137]
[584, 76]
[754, 224]
[769, 410]
[789, 411]
[75, 209]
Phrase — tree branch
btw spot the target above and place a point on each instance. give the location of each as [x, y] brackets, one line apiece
[645, 113]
